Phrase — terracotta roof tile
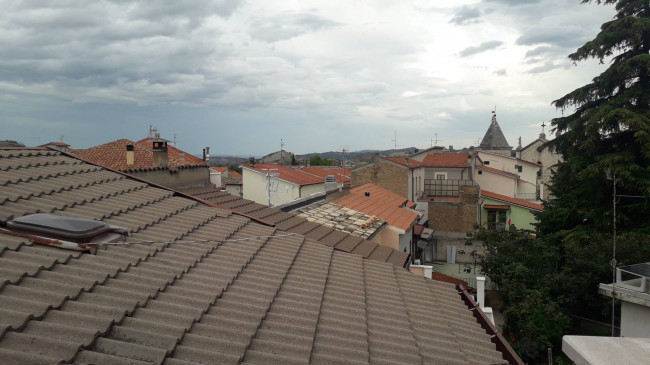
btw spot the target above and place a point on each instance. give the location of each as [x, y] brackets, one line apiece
[381, 203]
[497, 171]
[197, 284]
[219, 169]
[342, 175]
[113, 155]
[515, 201]
[405, 161]
[288, 174]
[447, 159]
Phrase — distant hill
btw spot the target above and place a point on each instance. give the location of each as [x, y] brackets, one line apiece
[362, 155]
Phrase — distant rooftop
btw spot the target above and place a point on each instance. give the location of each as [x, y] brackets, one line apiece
[342, 219]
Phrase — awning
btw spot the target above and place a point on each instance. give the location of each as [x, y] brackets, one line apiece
[498, 207]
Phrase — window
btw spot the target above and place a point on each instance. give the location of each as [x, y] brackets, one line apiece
[441, 176]
[496, 219]
[486, 162]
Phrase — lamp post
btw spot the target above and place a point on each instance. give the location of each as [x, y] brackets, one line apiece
[611, 175]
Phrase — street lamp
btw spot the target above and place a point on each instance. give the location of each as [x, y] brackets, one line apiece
[611, 175]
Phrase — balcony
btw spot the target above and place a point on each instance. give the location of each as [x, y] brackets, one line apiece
[444, 188]
[632, 284]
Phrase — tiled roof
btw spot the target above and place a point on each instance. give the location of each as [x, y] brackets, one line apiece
[446, 159]
[381, 203]
[219, 169]
[342, 219]
[286, 173]
[235, 174]
[113, 155]
[294, 223]
[342, 175]
[214, 286]
[515, 201]
[176, 157]
[404, 161]
[497, 171]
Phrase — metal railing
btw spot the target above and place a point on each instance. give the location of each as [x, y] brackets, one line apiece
[435, 187]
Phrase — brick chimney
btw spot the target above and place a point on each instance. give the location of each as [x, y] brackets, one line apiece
[159, 149]
[130, 155]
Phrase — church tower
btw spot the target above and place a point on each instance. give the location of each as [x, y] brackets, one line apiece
[494, 141]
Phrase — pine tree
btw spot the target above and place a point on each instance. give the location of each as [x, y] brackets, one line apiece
[608, 130]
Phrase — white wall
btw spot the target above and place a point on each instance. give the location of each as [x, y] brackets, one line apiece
[255, 188]
[496, 183]
[234, 190]
[215, 178]
[405, 240]
[634, 320]
[282, 192]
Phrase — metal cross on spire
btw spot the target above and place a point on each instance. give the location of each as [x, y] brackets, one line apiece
[543, 125]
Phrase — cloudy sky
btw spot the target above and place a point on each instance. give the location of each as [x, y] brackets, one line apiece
[239, 75]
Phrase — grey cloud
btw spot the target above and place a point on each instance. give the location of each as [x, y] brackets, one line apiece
[466, 15]
[287, 26]
[501, 72]
[548, 66]
[513, 2]
[568, 37]
[485, 46]
[539, 51]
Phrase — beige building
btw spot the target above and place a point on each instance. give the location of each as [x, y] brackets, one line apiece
[510, 176]
[272, 184]
[534, 153]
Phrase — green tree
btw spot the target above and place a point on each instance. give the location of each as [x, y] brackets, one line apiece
[316, 160]
[293, 160]
[609, 129]
[526, 273]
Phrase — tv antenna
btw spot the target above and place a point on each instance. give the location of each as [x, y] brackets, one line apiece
[395, 140]
[435, 140]
[174, 139]
[282, 144]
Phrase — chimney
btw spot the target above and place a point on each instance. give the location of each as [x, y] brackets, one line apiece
[159, 149]
[251, 161]
[206, 158]
[451, 148]
[480, 291]
[130, 155]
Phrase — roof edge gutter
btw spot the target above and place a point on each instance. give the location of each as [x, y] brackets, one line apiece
[176, 192]
[497, 338]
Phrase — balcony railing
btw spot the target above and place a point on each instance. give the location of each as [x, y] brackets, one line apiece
[435, 187]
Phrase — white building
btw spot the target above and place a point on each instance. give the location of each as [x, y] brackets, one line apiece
[273, 184]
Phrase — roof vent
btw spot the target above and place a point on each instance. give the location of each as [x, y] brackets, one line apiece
[367, 193]
[75, 233]
[330, 178]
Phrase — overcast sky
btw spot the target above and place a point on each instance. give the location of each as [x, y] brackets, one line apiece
[323, 75]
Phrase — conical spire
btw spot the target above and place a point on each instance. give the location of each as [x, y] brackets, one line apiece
[494, 138]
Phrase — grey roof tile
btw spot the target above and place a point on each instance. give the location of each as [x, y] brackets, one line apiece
[213, 287]
[93, 358]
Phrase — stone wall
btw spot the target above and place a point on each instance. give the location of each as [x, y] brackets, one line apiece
[384, 173]
[453, 217]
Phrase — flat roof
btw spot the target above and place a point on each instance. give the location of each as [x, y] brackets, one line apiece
[596, 350]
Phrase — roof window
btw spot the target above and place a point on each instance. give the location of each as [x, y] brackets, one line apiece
[66, 232]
